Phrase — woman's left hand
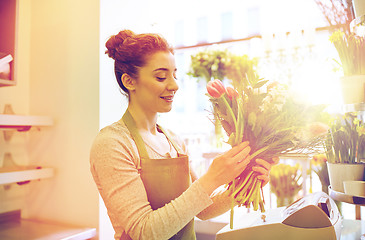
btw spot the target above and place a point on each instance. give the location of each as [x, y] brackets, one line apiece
[263, 169]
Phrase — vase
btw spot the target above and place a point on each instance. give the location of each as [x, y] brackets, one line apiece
[359, 7]
[340, 172]
[353, 88]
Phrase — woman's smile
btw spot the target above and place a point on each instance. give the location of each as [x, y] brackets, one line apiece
[168, 98]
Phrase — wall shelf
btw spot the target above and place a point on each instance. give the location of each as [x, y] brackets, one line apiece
[21, 175]
[5, 82]
[23, 122]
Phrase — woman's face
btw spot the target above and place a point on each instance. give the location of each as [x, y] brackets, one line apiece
[156, 84]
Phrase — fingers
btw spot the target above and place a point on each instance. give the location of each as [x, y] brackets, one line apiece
[264, 178]
[263, 169]
[263, 163]
[260, 170]
[275, 160]
[237, 149]
[243, 156]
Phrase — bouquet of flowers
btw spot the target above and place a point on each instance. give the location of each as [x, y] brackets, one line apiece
[285, 182]
[221, 64]
[271, 120]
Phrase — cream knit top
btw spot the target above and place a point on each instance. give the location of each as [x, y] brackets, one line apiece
[114, 162]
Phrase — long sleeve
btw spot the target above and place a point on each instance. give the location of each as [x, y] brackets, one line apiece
[113, 161]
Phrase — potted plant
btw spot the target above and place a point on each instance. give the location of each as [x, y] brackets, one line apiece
[345, 150]
[351, 52]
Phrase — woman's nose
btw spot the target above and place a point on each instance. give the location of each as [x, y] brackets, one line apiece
[173, 86]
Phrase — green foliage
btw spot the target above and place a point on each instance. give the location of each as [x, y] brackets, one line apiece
[345, 142]
[209, 64]
[221, 64]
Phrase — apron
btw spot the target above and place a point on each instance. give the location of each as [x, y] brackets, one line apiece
[164, 179]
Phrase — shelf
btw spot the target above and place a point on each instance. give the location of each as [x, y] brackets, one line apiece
[5, 83]
[33, 229]
[342, 197]
[23, 174]
[356, 107]
[22, 122]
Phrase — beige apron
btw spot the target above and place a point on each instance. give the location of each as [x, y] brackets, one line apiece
[164, 179]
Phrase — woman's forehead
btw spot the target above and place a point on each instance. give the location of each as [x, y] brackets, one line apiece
[161, 61]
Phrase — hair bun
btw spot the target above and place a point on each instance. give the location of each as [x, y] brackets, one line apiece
[116, 41]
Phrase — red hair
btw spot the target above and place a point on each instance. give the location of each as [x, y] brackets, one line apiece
[130, 52]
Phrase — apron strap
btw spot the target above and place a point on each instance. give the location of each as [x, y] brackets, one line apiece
[132, 127]
[177, 148]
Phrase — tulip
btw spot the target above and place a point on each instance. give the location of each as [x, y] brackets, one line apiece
[215, 88]
[231, 93]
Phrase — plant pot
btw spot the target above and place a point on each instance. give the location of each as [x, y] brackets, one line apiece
[353, 88]
[359, 7]
[340, 172]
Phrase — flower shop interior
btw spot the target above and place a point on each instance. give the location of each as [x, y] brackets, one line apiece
[58, 89]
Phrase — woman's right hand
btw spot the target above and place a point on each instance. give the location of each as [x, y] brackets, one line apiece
[226, 167]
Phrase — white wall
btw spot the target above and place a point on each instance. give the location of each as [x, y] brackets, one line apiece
[64, 73]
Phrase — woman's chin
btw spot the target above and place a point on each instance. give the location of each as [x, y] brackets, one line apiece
[165, 110]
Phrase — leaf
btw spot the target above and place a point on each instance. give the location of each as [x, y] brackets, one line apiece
[252, 120]
[228, 127]
[260, 84]
[231, 139]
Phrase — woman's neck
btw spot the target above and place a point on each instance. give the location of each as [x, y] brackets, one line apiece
[145, 121]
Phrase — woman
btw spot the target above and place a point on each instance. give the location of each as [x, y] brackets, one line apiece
[141, 171]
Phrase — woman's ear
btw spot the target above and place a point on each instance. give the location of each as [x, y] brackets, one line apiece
[128, 81]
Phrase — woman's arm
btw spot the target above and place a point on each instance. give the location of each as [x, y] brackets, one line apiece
[221, 202]
[113, 166]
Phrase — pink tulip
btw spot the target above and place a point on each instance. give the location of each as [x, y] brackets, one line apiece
[231, 92]
[215, 88]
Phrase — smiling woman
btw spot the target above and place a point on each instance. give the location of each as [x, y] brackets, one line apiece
[142, 171]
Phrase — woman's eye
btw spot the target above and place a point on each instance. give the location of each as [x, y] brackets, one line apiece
[160, 78]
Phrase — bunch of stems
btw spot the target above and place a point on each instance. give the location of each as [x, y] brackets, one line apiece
[351, 51]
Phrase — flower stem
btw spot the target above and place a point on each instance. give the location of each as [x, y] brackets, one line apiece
[232, 213]
[261, 150]
[230, 111]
